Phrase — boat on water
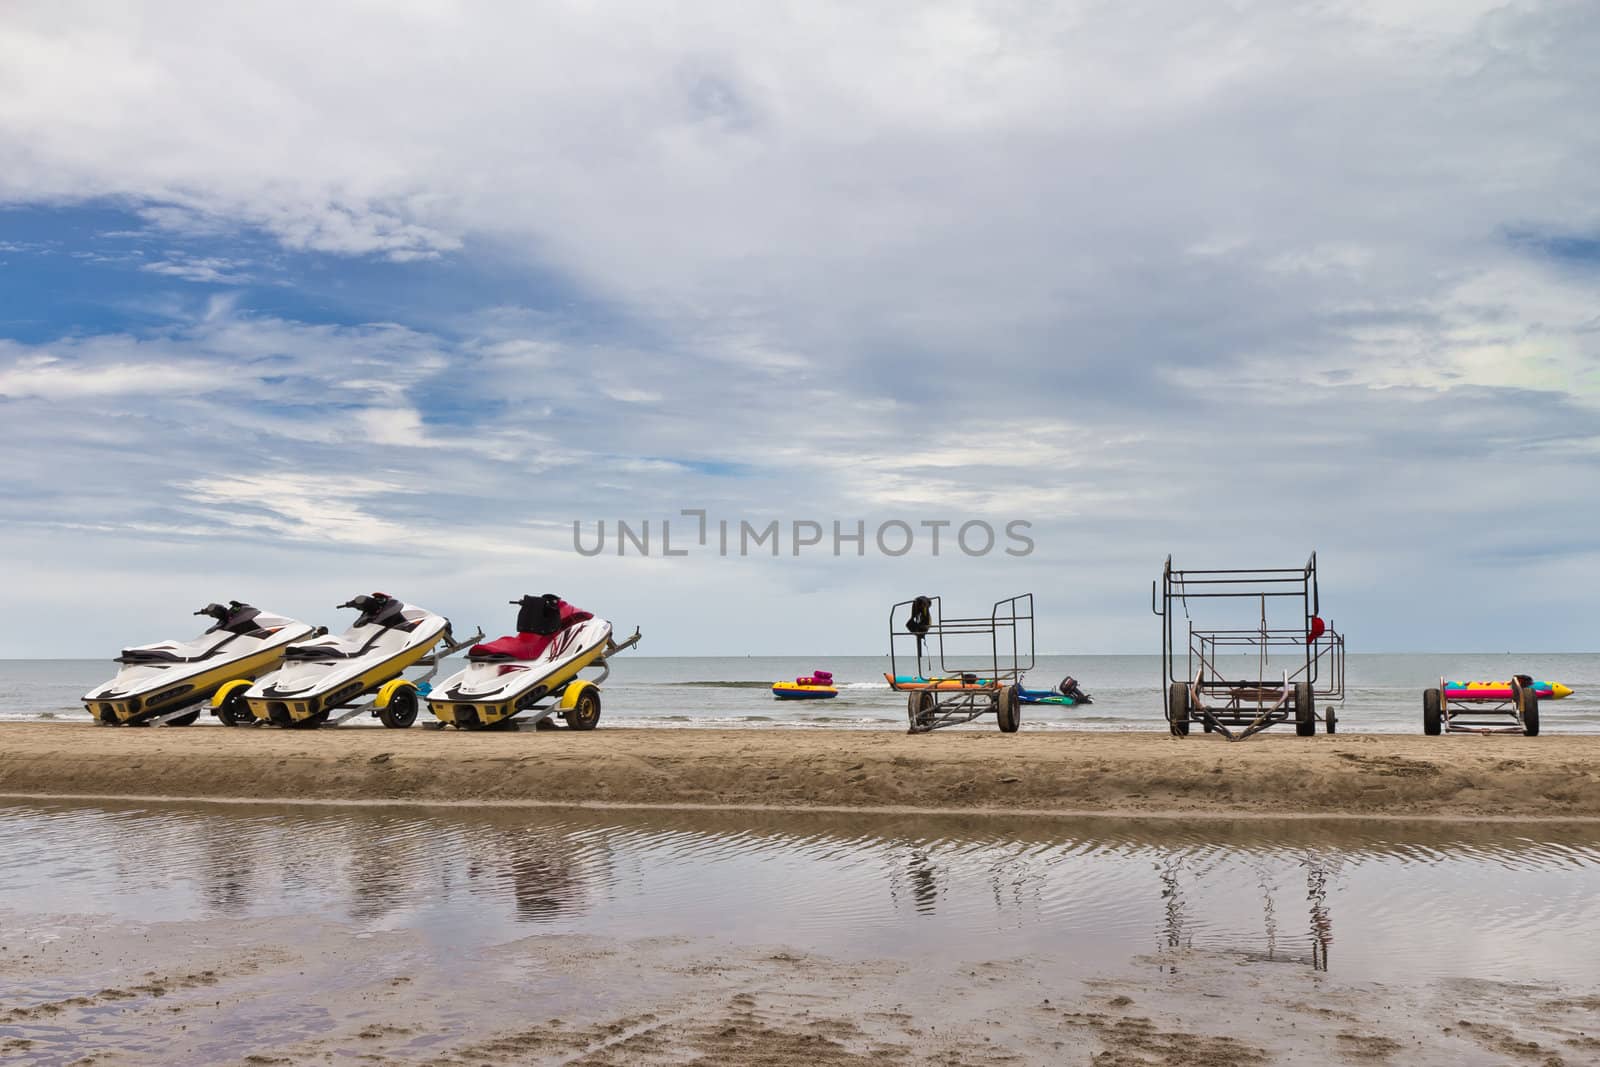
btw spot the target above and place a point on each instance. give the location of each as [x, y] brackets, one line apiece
[818, 685]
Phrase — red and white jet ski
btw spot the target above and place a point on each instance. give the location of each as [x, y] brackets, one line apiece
[541, 661]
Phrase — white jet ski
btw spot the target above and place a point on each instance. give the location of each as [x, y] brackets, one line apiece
[163, 678]
[553, 642]
[329, 672]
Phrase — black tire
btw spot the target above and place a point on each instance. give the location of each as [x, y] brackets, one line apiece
[1530, 712]
[1305, 710]
[234, 711]
[585, 711]
[919, 706]
[401, 710]
[1331, 721]
[1178, 710]
[1432, 713]
[187, 719]
[1008, 709]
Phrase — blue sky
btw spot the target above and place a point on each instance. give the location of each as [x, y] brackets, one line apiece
[301, 302]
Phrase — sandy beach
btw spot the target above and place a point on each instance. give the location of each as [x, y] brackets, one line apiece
[314, 984]
[1146, 774]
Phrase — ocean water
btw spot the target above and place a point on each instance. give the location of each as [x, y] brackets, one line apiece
[1383, 692]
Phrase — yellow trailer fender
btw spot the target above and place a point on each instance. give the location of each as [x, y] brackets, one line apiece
[387, 692]
[569, 699]
[226, 690]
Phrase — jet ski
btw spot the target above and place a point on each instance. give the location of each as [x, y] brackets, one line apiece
[329, 672]
[553, 642]
[1067, 694]
[156, 680]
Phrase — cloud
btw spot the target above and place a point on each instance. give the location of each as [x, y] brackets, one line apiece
[213, 270]
[1227, 282]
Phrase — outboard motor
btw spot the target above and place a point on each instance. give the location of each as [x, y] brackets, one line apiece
[1069, 688]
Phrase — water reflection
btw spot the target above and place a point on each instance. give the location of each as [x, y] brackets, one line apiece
[1178, 876]
[1102, 889]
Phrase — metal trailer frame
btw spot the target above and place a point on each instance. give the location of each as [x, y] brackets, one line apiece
[1240, 707]
[556, 696]
[1439, 714]
[980, 687]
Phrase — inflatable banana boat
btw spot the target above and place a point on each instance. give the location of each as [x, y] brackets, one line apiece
[816, 686]
[912, 681]
[1501, 690]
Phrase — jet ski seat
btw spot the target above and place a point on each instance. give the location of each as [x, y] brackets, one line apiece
[540, 623]
[380, 614]
[236, 620]
[175, 651]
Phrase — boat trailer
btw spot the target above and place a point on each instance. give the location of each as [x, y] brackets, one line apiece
[1309, 655]
[963, 667]
[1443, 712]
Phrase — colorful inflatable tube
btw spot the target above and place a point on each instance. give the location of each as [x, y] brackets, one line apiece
[795, 691]
[1501, 690]
[818, 685]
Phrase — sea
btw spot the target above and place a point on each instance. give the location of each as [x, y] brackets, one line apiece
[1382, 691]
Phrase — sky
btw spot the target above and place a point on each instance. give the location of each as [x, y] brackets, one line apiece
[304, 300]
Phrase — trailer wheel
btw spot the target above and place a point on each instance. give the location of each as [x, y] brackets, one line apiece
[1331, 720]
[401, 710]
[1305, 710]
[1432, 716]
[919, 708]
[1008, 709]
[1178, 709]
[1530, 711]
[234, 711]
[185, 720]
[585, 711]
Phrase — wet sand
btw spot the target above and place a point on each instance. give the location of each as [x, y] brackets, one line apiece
[1148, 774]
[289, 991]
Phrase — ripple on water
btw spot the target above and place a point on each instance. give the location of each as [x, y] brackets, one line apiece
[1395, 901]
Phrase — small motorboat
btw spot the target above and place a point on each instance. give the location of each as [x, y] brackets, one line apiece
[818, 685]
[1068, 694]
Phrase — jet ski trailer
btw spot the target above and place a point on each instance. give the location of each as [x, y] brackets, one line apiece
[168, 683]
[964, 667]
[1226, 679]
[536, 670]
[328, 674]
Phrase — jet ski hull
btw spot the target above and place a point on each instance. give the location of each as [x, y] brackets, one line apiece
[490, 691]
[145, 690]
[305, 691]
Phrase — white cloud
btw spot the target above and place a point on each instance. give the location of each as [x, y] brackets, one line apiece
[208, 269]
[1219, 279]
[49, 377]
